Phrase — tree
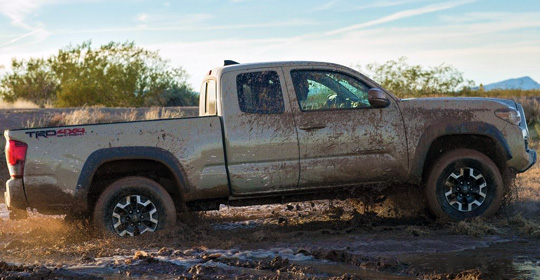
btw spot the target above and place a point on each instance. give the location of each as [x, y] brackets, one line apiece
[481, 88]
[115, 74]
[406, 80]
[31, 80]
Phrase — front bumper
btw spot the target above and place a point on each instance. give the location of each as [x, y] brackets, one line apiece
[14, 194]
[532, 160]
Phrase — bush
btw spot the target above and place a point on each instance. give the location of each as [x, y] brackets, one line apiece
[113, 75]
[406, 80]
[30, 80]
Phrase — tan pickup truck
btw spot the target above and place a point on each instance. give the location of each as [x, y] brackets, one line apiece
[271, 132]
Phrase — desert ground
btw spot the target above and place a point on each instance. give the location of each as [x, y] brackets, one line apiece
[325, 239]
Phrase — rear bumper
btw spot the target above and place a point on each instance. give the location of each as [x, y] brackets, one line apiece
[14, 194]
[532, 160]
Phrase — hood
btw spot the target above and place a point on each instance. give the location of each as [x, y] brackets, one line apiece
[474, 100]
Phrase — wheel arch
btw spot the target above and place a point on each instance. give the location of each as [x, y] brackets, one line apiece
[114, 163]
[482, 137]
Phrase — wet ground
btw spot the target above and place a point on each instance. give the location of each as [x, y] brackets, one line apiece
[320, 240]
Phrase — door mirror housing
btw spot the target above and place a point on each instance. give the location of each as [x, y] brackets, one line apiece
[377, 98]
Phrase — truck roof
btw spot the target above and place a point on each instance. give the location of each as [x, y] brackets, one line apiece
[233, 66]
[244, 66]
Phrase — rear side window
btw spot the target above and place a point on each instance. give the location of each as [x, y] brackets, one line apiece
[260, 92]
[211, 97]
[208, 98]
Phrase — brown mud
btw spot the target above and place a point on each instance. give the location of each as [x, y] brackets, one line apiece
[312, 240]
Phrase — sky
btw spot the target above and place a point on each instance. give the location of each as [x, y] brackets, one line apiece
[487, 40]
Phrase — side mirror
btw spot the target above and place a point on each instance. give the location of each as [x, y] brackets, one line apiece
[377, 98]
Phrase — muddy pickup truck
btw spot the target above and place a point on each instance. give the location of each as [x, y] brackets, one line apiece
[267, 133]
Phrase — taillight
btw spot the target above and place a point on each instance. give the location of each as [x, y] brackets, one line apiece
[15, 155]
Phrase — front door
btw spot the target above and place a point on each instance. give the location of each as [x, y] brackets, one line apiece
[343, 139]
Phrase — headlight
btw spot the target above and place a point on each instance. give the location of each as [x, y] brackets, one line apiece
[510, 115]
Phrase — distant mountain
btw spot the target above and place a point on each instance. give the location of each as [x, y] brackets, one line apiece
[525, 83]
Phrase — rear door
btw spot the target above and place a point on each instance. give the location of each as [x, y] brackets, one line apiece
[260, 135]
[343, 140]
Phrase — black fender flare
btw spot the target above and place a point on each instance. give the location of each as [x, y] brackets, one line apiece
[101, 156]
[435, 131]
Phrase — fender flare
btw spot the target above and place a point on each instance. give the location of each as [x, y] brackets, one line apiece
[435, 131]
[102, 156]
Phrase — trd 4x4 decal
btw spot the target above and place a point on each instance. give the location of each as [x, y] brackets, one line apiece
[57, 132]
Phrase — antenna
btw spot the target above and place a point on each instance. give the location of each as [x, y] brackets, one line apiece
[229, 62]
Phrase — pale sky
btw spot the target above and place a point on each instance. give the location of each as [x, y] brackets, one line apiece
[488, 40]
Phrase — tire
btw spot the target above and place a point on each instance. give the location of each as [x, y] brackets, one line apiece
[133, 206]
[462, 184]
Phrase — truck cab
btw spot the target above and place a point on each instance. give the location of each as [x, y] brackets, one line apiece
[295, 126]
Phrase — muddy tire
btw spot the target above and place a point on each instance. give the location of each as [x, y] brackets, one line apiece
[464, 183]
[133, 206]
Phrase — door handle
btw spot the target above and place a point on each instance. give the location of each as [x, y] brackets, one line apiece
[312, 127]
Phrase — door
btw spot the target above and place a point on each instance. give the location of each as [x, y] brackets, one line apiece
[343, 139]
[260, 135]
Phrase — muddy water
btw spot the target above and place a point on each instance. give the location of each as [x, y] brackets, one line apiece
[513, 259]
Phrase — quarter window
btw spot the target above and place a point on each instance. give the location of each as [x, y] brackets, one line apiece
[260, 92]
[319, 90]
[208, 98]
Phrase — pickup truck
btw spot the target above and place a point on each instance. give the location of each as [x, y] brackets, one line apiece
[267, 133]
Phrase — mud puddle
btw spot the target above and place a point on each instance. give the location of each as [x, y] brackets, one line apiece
[513, 259]
[227, 264]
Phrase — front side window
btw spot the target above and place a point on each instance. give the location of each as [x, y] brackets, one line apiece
[260, 92]
[320, 90]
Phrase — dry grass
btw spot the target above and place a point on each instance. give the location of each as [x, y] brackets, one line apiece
[476, 227]
[19, 104]
[162, 113]
[528, 185]
[93, 115]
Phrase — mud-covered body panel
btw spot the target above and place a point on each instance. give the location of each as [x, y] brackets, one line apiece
[54, 164]
[261, 148]
[427, 119]
[347, 146]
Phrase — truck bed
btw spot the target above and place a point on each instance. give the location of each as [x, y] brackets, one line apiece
[56, 156]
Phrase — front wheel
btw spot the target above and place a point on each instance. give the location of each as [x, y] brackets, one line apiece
[133, 206]
[464, 183]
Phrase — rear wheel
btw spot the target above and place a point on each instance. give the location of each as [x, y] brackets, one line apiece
[462, 184]
[133, 206]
